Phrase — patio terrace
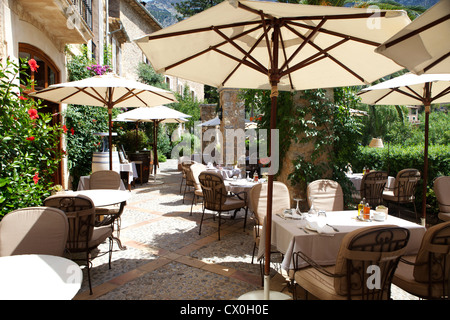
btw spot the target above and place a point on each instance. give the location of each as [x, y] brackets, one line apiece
[166, 258]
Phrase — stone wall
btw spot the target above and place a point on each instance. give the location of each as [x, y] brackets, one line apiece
[233, 118]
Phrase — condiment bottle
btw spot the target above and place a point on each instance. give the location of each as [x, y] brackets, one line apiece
[255, 176]
[361, 207]
[366, 212]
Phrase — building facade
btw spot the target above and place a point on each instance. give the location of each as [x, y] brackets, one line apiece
[51, 30]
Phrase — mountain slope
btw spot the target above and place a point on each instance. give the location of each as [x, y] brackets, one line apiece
[165, 13]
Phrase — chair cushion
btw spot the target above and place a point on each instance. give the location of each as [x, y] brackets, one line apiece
[318, 284]
[389, 195]
[421, 271]
[99, 236]
[404, 279]
[232, 204]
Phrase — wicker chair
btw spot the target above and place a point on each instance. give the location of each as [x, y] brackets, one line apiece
[364, 267]
[215, 197]
[83, 237]
[426, 274]
[404, 189]
[372, 187]
[281, 200]
[108, 215]
[325, 195]
[441, 187]
[188, 183]
[33, 230]
[193, 172]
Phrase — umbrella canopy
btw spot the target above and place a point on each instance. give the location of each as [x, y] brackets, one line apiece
[423, 46]
[276, 46]
[157, 115]
[109, 91]
[216, 122]
[411, 89]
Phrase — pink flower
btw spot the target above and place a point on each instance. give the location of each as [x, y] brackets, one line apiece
[22, 98]
[33, 114]
[33, 65]
[30, 138]
[64, 128]
[72, 131]
[36, 178]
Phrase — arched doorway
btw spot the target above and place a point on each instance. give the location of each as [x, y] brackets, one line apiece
[47, 74]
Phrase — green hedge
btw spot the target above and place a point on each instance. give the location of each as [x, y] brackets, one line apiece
[395, 158]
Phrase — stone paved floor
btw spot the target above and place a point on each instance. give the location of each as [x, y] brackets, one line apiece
[166, 258]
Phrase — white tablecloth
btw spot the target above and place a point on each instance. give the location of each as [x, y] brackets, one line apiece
[38, 277]
[288, 238]
[240, 185]
[226, 173]
[124, 167]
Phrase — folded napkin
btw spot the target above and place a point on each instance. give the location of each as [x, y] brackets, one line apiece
[210, 165]
[319, 225]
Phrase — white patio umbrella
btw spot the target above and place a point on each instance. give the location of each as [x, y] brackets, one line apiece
[276, 46]
[411, 89]
[423, 46]
[216, 122]
[157, 115]
[109, 91]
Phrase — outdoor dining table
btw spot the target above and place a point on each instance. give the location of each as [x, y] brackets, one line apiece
[226, 173]
[38, 277]
[241, 185]
[129, 168]
[288, 236]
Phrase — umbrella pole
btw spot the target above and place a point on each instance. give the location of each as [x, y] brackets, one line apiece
[110, 136]
[425, 167]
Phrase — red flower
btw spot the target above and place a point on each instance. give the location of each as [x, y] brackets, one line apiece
[36, 178]
[22, 98]
[30, 138]
[33, 114]
[33, 65]
[72, 131]
[64, 128]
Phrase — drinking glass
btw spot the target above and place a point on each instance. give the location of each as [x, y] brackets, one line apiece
[248, 175]
[312, 210]
[297, 209]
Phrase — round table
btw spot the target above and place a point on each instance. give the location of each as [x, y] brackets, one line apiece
[38, 277]
[105, 197]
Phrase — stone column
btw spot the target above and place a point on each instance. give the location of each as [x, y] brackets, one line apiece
[233, 119]
[207, 112]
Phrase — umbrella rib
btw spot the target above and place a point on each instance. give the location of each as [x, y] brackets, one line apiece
[445, 56]
[206, 29]
[417, 31]
[210, 48]
[285, 58]
[442, 93]
[314, 58]
[414, 96]
[129, 95]
[245, 62]
[99, 98]
[325, 51]
[266, 37]
[337, 34]
[240, 63]
[246, 55]
[304, 43]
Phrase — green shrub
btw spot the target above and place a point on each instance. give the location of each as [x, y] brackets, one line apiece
[29, 153]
